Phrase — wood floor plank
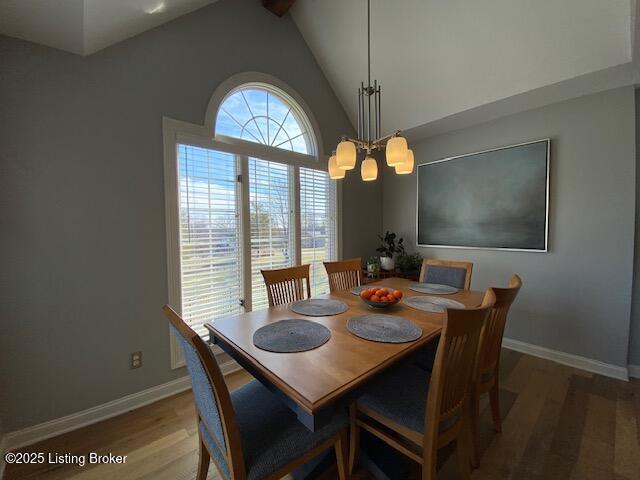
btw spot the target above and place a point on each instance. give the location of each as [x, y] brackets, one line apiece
[627, 445]
[532, 462]
[508, 361]
[635, 384]
[596, 453]
[568, 434]
[519, 376]
[559, 423]
[144, 456]
[505, 451]
[486, 428]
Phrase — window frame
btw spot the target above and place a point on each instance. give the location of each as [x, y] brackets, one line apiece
[176, 132]
[299, 114]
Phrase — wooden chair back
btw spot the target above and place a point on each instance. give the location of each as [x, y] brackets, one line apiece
[210, 392]
[452, 373]
[344, 275]
[491, 339]
[287, 285]
[467, 266]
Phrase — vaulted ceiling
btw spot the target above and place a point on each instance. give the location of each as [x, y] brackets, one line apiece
[437, 58]
[442, 64]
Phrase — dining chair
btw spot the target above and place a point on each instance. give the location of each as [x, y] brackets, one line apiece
[447, 272]
[344, 275]
[418, 413]
[287, 285]
[486, 378]
[249, 433]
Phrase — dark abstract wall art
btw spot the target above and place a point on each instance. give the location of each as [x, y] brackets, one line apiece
[496, 199]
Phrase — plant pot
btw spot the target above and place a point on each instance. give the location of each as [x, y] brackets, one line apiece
[387, 263]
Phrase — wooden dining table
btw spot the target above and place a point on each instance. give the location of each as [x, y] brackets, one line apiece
[316, 382]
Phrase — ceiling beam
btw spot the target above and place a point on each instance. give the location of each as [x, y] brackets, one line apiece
[278, 7]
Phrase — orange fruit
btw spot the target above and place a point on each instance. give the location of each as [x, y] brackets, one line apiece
[397, 294]
[391, 297]
[383, 292]
[375, 298]
[384, 299]
[365, 294]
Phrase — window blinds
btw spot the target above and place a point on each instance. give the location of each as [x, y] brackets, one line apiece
[211, 256]
[272, 239]
[210, 242]
[318, 225]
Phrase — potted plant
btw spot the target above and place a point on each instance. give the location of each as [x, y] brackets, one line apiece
[409, 262]
[388, 248]
[373, 265]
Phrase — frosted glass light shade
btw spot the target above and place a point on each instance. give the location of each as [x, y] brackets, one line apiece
[407, 166]
[346, 155]
[396, 151]
[369, 169]
[335, 173]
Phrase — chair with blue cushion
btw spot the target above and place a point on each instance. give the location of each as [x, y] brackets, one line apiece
[454, 273]
[486, 379]
[287, 285]
[417, 412]
[487, 374]
[344, 274]
[446, 272]
[249, 433]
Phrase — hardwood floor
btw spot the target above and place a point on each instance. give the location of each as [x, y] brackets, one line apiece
[559, 423]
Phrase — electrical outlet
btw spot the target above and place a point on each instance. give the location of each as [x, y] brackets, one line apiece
[136, 360]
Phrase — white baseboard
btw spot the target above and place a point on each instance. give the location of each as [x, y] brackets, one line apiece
[634, 371]
[576, 361]
[95, 414]
[229, 367]
[52, 428]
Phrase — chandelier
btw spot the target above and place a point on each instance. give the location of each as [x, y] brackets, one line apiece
[368, 139]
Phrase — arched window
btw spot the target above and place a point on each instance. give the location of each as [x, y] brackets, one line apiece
[264, 114]
[247, 190]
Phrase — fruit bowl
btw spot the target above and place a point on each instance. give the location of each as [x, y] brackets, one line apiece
[380, 297]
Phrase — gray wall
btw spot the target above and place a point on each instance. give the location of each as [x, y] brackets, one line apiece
[577, 297]
[83, 229]
[634, 340]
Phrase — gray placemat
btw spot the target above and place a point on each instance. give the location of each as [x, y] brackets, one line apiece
[432, 304]
[289, 336]
[358, 290]
[433, 288]
[319, 307]
[384, 328]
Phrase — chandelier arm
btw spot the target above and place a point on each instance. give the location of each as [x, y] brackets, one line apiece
[361, 144]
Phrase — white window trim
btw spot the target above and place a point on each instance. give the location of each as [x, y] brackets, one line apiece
[179, 132]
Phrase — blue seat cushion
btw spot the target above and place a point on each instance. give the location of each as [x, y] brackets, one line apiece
[452, 276]
[401, 396]
[270, 432]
